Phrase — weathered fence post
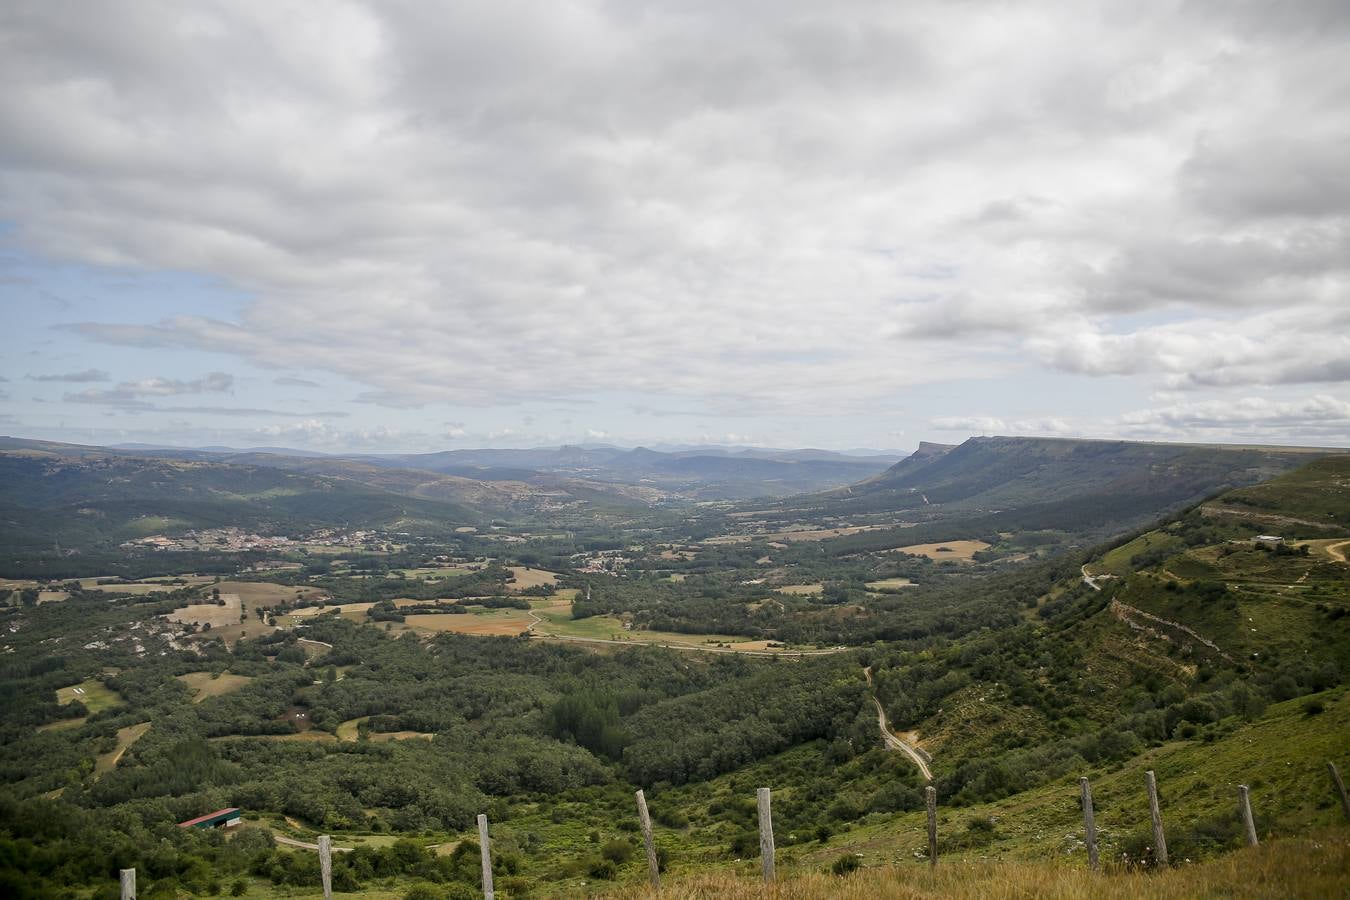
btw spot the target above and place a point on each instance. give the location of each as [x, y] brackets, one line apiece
[326, 865]
[1245, 810]
[930, 795]
[1340, 788]
[1155, 813]
[1089, 823]
[485, 849]
[653, 865]
[765, 834]
[128, 884]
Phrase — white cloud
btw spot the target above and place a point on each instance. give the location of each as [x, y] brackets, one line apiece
[735, 209]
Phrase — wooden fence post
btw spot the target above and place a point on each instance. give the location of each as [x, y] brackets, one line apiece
[485, 849]
[128, 884]
[1340, 788]
[1155, 813]
[326, 865]
[1245, 810]
[653, 865]
[930, 796]
[1089, 823]
[765, 834]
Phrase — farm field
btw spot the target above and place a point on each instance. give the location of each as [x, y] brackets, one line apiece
[792, 536]
[209, 613]
[125, 738]
[800, 589]
[64, 724]
[94, 694]
[526, 578]
[436, 573]
[207, 684]
[558, 622]
[254, 594]
[889, 584]
[496, 622]
[958, 550]
[350, 730]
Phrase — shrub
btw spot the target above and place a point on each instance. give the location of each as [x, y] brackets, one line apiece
[617, 851]
[845, 864]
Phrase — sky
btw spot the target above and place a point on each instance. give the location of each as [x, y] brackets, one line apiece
[407, 226]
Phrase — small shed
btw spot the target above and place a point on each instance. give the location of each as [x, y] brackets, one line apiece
[221, 818]
[1270, 541]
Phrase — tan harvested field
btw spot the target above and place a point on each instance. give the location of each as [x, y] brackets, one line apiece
[958, 550]
[800, 589]
[207, 684]
[52, 596]
[250, 628]
[125, 738]
[527, 578]
[306, 612]
[677, 577]
[889, 584]
[492, 622]
[16, 584]
[265, 594]
[209, 613]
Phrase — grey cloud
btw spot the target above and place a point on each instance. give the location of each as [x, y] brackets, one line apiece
[85, 376]
[689, 201]
[134, 392]
[292, 381]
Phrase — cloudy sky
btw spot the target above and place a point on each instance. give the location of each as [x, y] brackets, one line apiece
[422, 225]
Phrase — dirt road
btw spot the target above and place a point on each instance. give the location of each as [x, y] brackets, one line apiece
[1335, 551]
[893, 742]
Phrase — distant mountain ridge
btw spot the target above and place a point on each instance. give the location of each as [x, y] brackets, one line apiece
[1074, 485]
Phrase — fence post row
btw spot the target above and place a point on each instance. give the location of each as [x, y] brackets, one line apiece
[1089, 823]
[765, 834]
[128, 884]
[1340, 788]
[930, 798]
[645, 820]
[485, 850]
[1245, 811]
[1159, 839]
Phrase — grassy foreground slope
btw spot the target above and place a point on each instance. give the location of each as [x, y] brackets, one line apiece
[1313, 866]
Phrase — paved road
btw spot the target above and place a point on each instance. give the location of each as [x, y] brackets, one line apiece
[892, 741]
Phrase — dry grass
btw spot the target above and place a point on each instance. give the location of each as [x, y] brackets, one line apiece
[209, 613]
[52, 596]
[800, 589]
[265, 594]
[1314, 866]
[889, 584]
[496, 622]
[206, 684]
[958, 550]
[125, 738]
[528, 578]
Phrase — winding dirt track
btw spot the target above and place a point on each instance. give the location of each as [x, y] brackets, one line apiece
[1335, 551]
[893, 742]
